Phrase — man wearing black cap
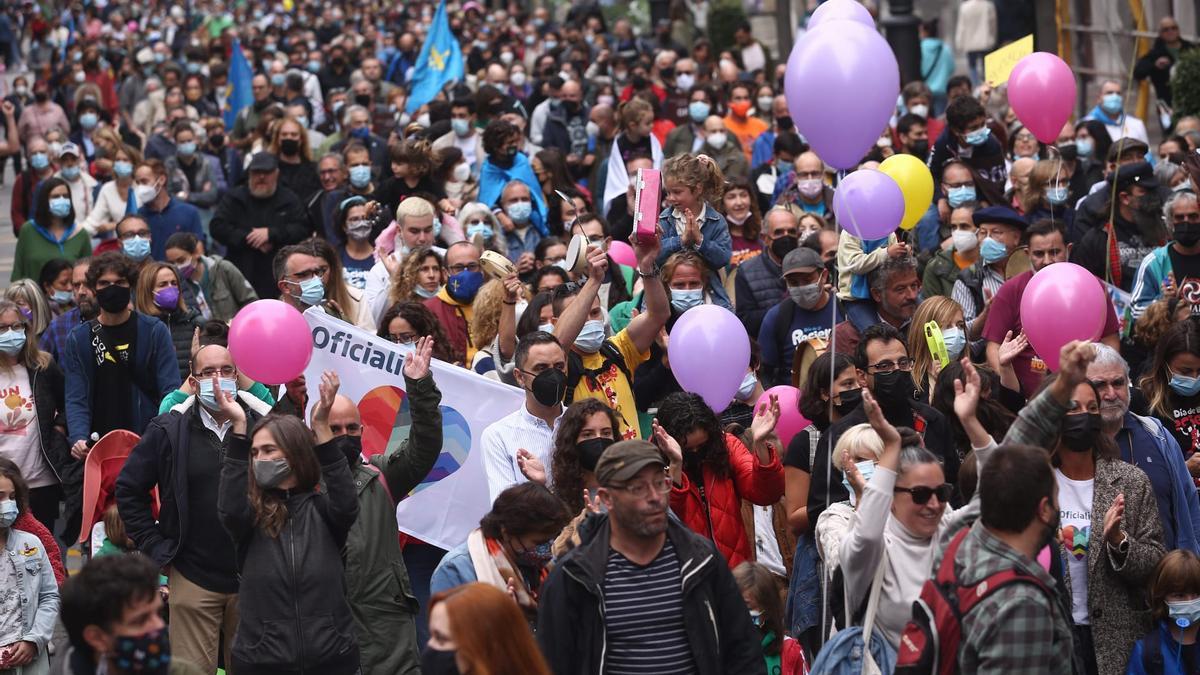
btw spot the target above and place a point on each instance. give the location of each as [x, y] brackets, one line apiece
[256, 219]
[999, 230]
[643, 593]
[1092, 211]
[810, 311]
[1136, 229]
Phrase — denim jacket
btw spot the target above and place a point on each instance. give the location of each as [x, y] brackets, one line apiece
[716, 247]
[39, 591]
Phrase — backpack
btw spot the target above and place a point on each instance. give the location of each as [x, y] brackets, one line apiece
[576, 371]
[859, 650]
[930, 642]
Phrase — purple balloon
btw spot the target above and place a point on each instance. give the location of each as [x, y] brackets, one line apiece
[838, 10]
[841, 84]
[709, 354]
[868, 204]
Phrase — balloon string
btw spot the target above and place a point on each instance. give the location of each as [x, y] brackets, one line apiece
[1112, 198]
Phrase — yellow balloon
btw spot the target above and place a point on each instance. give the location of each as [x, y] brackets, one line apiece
[915, 182]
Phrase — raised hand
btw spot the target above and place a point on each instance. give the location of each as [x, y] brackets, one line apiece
[1112, 522]
[1073, 362]
[853, 476]
[887, 432]
[765, 419]
[597, 263]
[531, 466]
[416, 364]
[1011, 347]
[229, 407]
[327, 392]
[966, 391]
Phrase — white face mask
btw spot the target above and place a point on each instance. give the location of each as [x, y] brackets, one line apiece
[717, 140]
[964, 240]
[461, 172]
[920, 110]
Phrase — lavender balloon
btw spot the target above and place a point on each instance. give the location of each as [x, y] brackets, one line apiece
[838, 10]
[841, 84]
[869, 204]
[709, 354]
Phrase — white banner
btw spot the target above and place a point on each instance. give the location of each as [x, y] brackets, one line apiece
[448, 504]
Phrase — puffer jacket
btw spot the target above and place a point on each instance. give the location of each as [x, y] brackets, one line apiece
[182, 325]
[757, 288]
[717, 513]
[292, 602]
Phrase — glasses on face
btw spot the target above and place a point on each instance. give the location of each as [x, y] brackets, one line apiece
[130, 234]
[469, 267]
[305, 275]
[905, 364]
[642, 489]
[19, 326]
[921, 494]
[402, 338]
[1025, 137]
[962, 184]
[223, 371]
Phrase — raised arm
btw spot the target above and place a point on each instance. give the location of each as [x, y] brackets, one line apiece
[575, 314]
[643, 329]
[408, 465]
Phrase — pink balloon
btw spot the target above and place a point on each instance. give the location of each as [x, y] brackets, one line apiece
[622, 254]
[709, 353]
[270, 342]
[869, 204]
[838, 10]
[1063, 302]
[791, 422]
[1041, 90]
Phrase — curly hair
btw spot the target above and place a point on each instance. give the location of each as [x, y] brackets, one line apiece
[296, 442]
[525, 509]
[682, 413]
[1158, 318]
[565, 469]
[485, 318]
[404, 283]
[496, 134]
[416, 153]
[1181, 338]
[423, 323]
[699, 173]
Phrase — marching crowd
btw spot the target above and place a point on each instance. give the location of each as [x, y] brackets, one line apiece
[492, 225]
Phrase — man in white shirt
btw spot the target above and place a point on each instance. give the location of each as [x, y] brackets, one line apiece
[1110, 106]
[522, 441]
[463, 134]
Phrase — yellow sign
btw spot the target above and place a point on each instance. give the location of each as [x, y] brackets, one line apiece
[998, 65]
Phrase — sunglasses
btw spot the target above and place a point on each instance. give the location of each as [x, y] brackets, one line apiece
[921, 494]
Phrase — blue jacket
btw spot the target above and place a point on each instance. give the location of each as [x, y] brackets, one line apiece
[1170, 653]
[455, 569]
[154, 363]
[1147, 285]
[763, 149]
[493, 178]
[176, 216]
[716, 247]
[1144, 442]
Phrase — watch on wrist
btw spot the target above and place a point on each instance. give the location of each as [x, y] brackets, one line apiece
[648, 275]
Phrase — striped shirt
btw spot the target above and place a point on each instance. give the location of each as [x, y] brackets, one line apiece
[643, 611]
[992, 281]
[502, 439]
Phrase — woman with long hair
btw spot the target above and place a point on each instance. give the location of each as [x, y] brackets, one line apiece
[712, 471]
[478, 629]
[51, 233]
[740, 209]
[33, 305]
[297, 170]
[289, 536]
[585, 431]
[405, 322]
[783, 654]
[113, 197]
[993, 413]
[159, 294]
[218, 285]
[550, 167]
[1172, 384]
[55, 282]
[948, 315]
[419, 277]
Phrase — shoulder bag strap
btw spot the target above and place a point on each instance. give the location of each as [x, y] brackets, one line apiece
[869, 665]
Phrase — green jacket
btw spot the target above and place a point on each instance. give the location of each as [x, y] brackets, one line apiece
[940, 274]
[377, 585]
[228, 291]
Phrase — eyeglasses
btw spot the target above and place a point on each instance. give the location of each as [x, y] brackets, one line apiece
[921, 494]
[642, 490]
[469, 267]
[305, 275]
[403, 338]
[224, 371]
[905, 364]
[130, 234]
[19, 327]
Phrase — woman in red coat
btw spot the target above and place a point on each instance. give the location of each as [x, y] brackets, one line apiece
[712, 471]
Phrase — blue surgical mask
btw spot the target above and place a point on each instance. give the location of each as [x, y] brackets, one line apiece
[546, 328]
[426, 293]
[187, 149]
[63, 297]
[70, 172]
[590, 337]
[278, 79]
[1184, 612]
[683, 300]
[12, 340]
[783, 166]
[519, 212]
[313, 66]
[312, 290]
[1056, 195]
[958, 196]
[1112, 104]
[955, 340]
[8, 512]
[360, 176]
[482, 229]
[136, 247]
[1184, 385]
[208, 395]
[89, 120]
[302, 120]
[698, 111]
[749, 382]
[991, 250]
[867, 469]
[193, 67]
[60, 207]
[979, 136]
[122, 169]
[1084, 147]
[461, 127]
[39, 160]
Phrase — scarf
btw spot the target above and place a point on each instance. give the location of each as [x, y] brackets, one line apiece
[493, 567]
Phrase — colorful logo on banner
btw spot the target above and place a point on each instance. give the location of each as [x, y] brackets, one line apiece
[387, 423]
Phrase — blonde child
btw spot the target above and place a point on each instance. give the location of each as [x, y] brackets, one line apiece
[691, 184]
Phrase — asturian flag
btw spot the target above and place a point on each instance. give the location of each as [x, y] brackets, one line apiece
[440, 62]
[237, 93]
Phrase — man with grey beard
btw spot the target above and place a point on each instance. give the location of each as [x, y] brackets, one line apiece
[1137, 226]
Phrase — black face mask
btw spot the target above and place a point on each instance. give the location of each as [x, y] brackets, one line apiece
[893, 387]
[41, 97]
[1069, 152]
[438, 662]
[784, 123]
[590, 451]
[217, 140]
[784, 245]
[113, 299]
[549, 387]
[1079, 431]
[1051, 532]
[363, 99]
[920, 148]
[289, 146]
[572, 107]
[351, 447]
[851, 399]
[1187, 234]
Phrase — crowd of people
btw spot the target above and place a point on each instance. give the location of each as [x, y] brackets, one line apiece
[633, 527]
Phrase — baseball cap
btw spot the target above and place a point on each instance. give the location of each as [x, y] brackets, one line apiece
[622, 461]
[263, 161]
[802, 259]
[69, 149]
[1138, 173]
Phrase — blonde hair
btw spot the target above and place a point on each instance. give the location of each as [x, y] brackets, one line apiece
[277, 128]
[941, 309]
[1043, 172]
[30, 356]
[485, 316]
[857, 438]
[633, 110]
[699, 173]
[27, 291]
[413, 207]
[143, 296]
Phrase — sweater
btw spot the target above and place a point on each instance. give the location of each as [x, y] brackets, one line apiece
[35, 249]
[109, 208]
[976, 29]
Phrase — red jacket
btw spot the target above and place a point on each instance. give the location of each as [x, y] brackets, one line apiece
[760, 484]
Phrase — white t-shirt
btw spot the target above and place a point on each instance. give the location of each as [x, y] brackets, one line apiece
[20, 435]
[1075, 510]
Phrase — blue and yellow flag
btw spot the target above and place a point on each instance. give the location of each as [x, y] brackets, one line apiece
[441, 61]
[237, 91]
